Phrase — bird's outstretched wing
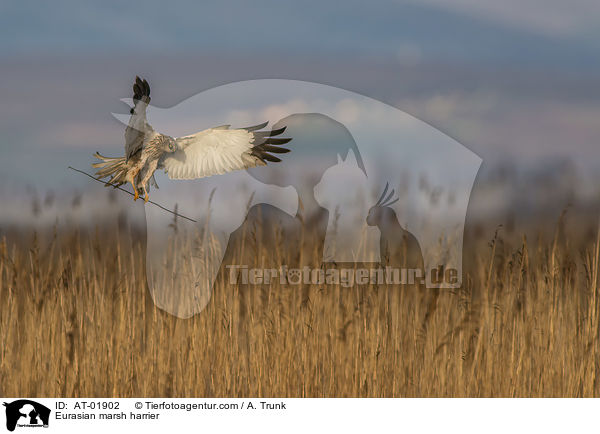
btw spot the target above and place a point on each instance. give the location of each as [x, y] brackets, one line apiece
[138, 128]
[220, 150]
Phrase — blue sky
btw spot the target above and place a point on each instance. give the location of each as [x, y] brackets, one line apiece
[538, 32]
[515, 81]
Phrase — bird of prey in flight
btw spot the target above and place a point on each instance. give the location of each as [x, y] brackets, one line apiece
[209, 152]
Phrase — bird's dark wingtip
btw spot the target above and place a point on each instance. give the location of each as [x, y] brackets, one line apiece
[141, 88]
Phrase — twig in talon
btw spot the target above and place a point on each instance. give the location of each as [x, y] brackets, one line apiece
[131, 194]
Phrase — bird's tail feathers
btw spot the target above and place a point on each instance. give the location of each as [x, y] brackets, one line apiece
[114, 168]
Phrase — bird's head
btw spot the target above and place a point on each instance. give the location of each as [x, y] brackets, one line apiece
[166, 143]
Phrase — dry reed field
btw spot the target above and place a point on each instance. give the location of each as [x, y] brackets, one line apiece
[76, 320]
